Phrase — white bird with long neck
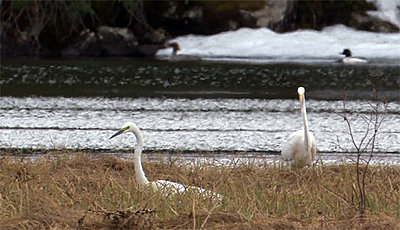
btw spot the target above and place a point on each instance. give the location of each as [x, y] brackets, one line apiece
[141, 178]
[299, 149]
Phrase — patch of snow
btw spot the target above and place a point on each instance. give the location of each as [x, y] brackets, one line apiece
[388, 10]
[302, 44]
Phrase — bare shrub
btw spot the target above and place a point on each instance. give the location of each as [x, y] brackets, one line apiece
[365, 144]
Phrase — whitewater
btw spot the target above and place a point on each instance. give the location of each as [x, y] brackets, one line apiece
[300, 45]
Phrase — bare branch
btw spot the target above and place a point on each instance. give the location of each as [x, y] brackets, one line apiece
[367, 144]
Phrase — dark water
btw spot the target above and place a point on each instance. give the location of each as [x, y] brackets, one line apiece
[154, 78]
[215, 107]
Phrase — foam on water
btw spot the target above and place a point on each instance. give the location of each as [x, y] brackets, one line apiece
[388, 10]
[184, 124]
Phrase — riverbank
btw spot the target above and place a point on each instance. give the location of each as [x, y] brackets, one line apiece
[138, 28]
[99, 192]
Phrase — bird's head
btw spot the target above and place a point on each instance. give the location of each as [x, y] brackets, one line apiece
[301, 92]
[175, 46]
[128, 126]
[346, 52]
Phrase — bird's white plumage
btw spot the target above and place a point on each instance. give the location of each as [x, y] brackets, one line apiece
[180, 57]
[176, 188]
[163, 185]
[349, 59]
[295, 152]
[354, 60]
[299, 148]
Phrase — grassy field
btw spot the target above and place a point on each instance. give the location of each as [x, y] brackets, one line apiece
[83, 191]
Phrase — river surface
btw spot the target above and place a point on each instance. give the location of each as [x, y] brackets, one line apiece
[215, 107]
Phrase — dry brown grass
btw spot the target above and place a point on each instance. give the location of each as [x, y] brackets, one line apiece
[81, 191]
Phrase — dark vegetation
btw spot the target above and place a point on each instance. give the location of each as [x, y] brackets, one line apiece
[318, 14]
[47, 27]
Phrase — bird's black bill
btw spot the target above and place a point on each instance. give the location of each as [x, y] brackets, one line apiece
[117, 133]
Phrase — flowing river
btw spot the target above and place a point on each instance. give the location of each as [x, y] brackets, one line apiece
[195, 107]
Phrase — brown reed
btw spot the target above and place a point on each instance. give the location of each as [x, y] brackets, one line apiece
[85, 191]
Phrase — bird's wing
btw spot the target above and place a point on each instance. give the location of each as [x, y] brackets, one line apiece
[290, 145]
[287, 152]
[313, 147]
[206, 193]
[170, 186]
[176, 188]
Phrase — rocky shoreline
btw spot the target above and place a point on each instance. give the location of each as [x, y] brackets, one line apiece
[140, 29]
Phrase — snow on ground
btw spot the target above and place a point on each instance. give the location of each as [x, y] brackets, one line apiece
[298, 45]
[266, 44]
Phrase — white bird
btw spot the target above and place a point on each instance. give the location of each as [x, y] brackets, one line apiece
[299, 149]
[349, 59]
[164, 185]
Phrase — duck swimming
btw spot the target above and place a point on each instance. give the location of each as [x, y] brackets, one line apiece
[348, 59]
[180, 57]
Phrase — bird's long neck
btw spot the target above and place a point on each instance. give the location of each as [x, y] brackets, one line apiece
[174, 51]
[137, 157]
[304, 113]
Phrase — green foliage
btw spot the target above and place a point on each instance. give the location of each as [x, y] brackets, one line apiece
[79, 8]
[18, 5]
[128, 4]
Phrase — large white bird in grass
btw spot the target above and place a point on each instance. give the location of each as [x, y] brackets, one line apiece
[166, 186]
[299, 149]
